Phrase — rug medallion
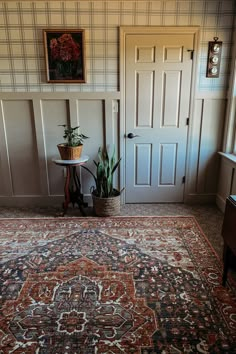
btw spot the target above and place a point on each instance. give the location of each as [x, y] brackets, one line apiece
[112, 285]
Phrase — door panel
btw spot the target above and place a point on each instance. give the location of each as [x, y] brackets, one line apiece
[157, 86]
[143, 158]
[167, 166]
[170, 102]
[144, 94]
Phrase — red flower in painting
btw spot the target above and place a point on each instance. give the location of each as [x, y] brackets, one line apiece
[64, 48]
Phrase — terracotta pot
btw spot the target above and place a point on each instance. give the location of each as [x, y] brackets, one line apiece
[70, 152]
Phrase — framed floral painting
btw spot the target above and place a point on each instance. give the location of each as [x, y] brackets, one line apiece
[64, 55]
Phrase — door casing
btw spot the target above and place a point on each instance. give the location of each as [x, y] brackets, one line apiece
[124, 32]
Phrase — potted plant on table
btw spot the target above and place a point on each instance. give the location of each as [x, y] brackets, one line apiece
[72, 148]
[106, 199]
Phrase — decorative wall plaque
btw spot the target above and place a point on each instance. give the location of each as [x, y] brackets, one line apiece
[214, 58]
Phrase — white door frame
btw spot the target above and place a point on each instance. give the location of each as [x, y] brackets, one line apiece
[127, 30]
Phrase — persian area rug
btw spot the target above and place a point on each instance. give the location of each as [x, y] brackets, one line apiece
[112, 285]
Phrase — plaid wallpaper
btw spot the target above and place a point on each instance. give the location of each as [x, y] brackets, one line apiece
[22, 66]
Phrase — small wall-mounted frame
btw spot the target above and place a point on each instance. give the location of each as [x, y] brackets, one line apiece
[64, 55]
[214, 58]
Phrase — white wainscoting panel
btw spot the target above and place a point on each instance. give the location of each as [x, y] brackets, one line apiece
[212, 125]
[227, 179]
[30, 132]
[54, 113]
[205, 140]
[21, 147]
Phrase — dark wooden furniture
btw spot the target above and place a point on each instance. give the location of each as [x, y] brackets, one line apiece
[72, 188]
[229, 235]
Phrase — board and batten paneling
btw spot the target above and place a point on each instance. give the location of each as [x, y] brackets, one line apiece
[30, 132]
[54, 113]
[227, 179]
[93, 122]
[204, 144]
[29, 128]
[22, 157]
[212, 125]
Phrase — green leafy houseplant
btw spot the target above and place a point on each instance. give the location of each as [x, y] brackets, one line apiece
[103, 177]
[72, 135]
[72, 148]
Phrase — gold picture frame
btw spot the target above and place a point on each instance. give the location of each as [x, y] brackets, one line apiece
[65, 55]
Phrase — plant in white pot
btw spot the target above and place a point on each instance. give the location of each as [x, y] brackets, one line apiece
[72, 148]
[106, 199]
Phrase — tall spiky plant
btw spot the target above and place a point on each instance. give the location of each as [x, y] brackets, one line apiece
[105, 168]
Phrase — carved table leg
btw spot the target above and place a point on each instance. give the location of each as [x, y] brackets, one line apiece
[67, 190]
[78, 195]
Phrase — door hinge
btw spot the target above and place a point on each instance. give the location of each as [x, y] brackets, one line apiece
[192, 52]
[183, 179]
[187, 121]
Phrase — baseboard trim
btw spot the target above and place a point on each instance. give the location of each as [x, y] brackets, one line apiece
[33, 201]
[47, 201]
[200, 199]
[220, 202]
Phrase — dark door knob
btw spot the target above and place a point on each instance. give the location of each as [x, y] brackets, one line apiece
[131, 135]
